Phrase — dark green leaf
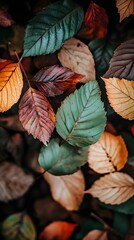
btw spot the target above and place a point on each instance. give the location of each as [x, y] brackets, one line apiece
[81, 118]
[60, 160]
[121, 223]
[129, 141]
[47, 31]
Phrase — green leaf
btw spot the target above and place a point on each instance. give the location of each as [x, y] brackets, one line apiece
[60, 160]
[47, 31]
[121, 223]
[17, 227]
[81, 118]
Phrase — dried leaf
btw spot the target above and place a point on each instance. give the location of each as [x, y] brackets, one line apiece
[16, 41]
[95, 23]
[11, 84]
[114, 188]
[122, 62]
[96, 235]
[67, 190]
[13, 181]
[125, 8]
[58, 230]
[121, 96]
[12, 123]
[109, 154]
[5, 18]
[36, 115]
[55, 80]
[75, 55]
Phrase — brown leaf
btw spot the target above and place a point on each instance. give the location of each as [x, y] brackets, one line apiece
[95, 23]
[125, 8]
[13, 181]
[12, 123]
[75, 55]
[45, 60]
[36, 115]
[5, 18]
[16, 42]
[122, 62]
[67, 189]
[58, 230]
[113, 188]
[55, 80]
[109, 154]
[120, 94]
[96, 235]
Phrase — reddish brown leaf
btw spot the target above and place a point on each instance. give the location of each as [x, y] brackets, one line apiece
[55, 80]
[36, 115]
[95, 22]
[5, 18]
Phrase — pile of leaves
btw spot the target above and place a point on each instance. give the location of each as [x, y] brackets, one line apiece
[66, 120]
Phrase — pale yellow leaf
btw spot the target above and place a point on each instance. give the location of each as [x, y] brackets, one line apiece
[125, 8]
[109, 154]
[75, 55]
[67, 190]
[114, 188]
[120, 94]
[11, 84]
[96, 235]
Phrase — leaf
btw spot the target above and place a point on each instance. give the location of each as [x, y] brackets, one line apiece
[96, 234]
[53, 25]
[13, 182]
[55, 80]
[18, 226]
[59, 230]
[63, 159]
[120, 94]
[5, 18]
[36, 115]
[67, 190]
[81, 118]
[125, 8]
[109, 154]
[11, 84]
[75, 55]
[114, 188]
[121, 64]
[95, 22]
[119, 218]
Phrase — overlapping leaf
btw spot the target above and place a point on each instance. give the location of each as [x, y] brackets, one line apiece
[55, 80]
[125, 8]
[18, 226]
[75, 55]
[5, 18]
[63, 159]
[53, 25]
[114, 188]
[58, 230]
[11, 84]
[81, 119]
[108, 154]
[121, 96]
[13, 182]
[96, 234]
[95, 22]
[36, 115]
[67, 190]
[122, 62]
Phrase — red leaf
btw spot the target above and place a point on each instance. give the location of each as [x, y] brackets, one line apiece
[95, 22]
[36, 115]
[5, 18]
[55, 80]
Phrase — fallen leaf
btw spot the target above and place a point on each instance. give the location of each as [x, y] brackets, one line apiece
[16, 41]
[96, 235]
[45, 60]
[67, 190]
[125, 8]
[13, 181]
[12, 123]
[5, 18]
[59, 230]
[75, 55]
[109, 154]
[120, 94]
[113, 188]
[36, 115]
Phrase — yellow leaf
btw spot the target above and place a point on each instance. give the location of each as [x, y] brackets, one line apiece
[125, 8]
[11, 84]
[67, 190]
[121, 96]
[96, 235]
[109, 154]
[114, 188]
[76, 55]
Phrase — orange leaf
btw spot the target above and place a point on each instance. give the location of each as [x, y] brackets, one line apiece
[95, 23]
[125, 8]
[36, 115]
[58, 230]
[11, 84]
